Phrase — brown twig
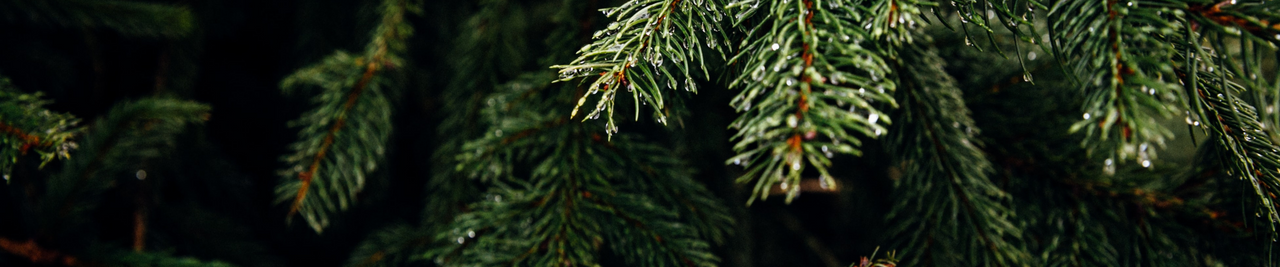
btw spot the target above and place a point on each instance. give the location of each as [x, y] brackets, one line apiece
[1215, 14]
[31, 251]
[813, 185]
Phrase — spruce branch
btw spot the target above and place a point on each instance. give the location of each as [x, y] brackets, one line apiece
[1249, 153]
[125, 17]
[630, 54]
[131, 133]
[488, 52]
[25, 125]
[935, 142]
[560, 194]
[801, 64]
[344, 138]
[395, 245]
[1122, 50]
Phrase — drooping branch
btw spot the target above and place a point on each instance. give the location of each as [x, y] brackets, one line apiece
[309, 174]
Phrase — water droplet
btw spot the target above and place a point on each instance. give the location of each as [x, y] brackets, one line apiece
[1220, 96]
[737, 161]
[795, 165]
[498, 133]
[1146, 163]
[1086, 116]
[1031, 55]
[792, 121]
[141, 174]
[461, 240]
[873, 118]
[783, 185]
[471, 234]
[1108, 162]
[1026, 76]
[966, 38]
[824, 148]
[775, 46]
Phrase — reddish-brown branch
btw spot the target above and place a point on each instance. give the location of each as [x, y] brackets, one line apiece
[31, 251]
[29, 140]
[308, 175]
[1215, 14]
[377, 60]
[140, 217]
[139, 230]
[1121, 69]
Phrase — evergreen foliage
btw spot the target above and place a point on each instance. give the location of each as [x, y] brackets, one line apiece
[126, 17]
[344, 137]
[909, 126]
[27, 126]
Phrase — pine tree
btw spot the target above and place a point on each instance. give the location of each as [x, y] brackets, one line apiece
[644, 133]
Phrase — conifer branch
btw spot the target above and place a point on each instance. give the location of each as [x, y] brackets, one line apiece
[1249, 153]
[1119, 48]
[306, 176]
[26, 125]
[801, 64]
[345, 135]
[581, 193]
[129, 134]
[936, 145]
[30, 140]
[125, 17]
[652, 32]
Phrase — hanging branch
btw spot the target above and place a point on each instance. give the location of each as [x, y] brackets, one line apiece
[935, 141]
[306, 176]
[807, 65]
[630, 54]
[1121, 49]
[344, 137]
